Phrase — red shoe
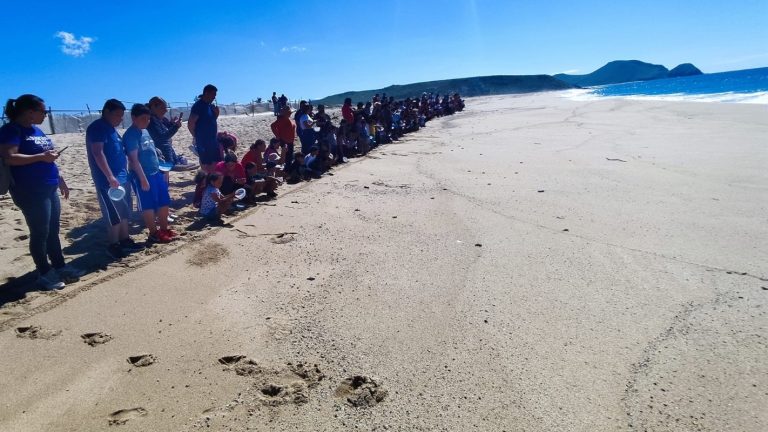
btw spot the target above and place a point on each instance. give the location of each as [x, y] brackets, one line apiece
[170, 233]
[158, 237]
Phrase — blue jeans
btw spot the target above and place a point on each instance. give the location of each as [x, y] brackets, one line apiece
[307, 138]
[42, 210]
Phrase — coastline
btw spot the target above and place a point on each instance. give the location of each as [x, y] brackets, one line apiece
[531, 263]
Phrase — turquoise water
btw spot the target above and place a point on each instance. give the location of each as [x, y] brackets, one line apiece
[744, 86]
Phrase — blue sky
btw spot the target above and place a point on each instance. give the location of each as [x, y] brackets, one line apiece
[311, 49]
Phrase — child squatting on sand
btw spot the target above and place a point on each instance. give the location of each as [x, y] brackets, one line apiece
[214, 203]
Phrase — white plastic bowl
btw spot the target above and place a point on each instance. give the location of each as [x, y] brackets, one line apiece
[240, 193]
[116, 194]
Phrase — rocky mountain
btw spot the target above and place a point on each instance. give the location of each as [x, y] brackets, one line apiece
[685, 69]
[621, 71]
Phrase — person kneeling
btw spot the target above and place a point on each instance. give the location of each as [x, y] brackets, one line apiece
[148, 180]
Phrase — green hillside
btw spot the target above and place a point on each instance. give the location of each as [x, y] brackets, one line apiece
[474, 86]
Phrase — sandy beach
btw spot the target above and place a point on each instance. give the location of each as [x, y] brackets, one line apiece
[532, 263]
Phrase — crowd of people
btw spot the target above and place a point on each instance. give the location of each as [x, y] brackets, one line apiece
[137, 163]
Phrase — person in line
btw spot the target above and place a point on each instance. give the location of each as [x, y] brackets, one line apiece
[232, 173]
[109, 169]
[146, 178]
[162, 131]
[275, 105]
[306, 129]
[203, 126]
[227, 141]
[285, 131]
[214, 203]
[313, 165]
[31, 156]
[256, 168]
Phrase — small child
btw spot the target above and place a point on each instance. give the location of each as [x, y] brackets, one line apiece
[312, 166]
[227, 141]
[260, 181]
[271, 150]
[214, 203]
[293, 175]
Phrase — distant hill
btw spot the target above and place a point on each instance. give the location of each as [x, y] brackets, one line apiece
[685, 69]
[621, 71]
[474, 86]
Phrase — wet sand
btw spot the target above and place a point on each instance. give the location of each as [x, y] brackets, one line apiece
[533, 263]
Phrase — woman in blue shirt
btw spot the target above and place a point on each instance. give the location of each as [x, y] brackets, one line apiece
[35, 189]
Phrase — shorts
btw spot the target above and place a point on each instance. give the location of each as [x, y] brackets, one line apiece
[209, 154]
[156, 197]
[115, 212]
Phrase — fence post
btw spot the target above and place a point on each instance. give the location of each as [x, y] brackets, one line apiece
[50, 120]
[89, 109]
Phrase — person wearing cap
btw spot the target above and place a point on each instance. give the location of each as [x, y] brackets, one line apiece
[146, 178]
[109, 170]
[203, 126]
[285, 131]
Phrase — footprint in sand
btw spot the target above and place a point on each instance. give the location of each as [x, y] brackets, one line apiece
[361, 391]
[282, 238]
[277, 386]
[231, 360]
[35, 332]
[142, 360]
[207, 254]
[94, 339]
[121, 417]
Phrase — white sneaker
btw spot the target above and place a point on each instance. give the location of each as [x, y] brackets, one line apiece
[69, 273]
[50, 281]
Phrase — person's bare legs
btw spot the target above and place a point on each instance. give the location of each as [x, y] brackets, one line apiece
[162, 218]
[149, 221]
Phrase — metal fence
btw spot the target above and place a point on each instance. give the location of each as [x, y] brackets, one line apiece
[73, 121]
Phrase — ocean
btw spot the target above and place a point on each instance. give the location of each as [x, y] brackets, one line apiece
[743, 86]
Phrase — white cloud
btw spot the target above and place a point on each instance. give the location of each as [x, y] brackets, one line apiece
[293, 49]
[569, 72]
[72, 46]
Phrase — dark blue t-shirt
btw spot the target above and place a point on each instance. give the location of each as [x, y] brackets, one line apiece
[205, 128]
[101, 131]
[30, 141]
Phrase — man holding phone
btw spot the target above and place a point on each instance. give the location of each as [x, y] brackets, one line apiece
[203, 126]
